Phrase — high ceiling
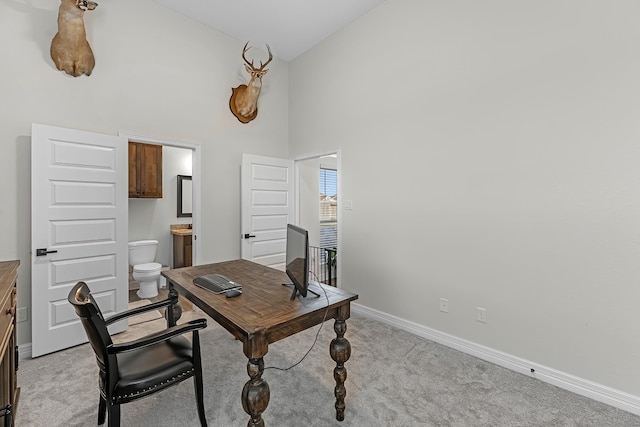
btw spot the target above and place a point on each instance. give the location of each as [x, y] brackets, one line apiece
[290, 27]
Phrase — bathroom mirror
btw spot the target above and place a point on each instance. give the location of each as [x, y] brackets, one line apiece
[185, 195]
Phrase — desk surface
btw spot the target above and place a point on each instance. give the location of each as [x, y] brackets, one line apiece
[264, 308]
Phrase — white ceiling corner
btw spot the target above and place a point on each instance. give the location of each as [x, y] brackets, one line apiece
[290, 27]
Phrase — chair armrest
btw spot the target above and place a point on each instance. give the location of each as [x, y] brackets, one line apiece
[159, 336]
[140, 310]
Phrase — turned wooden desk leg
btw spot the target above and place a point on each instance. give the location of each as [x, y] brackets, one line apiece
[255, 394]
[173, 312]
[340, 350]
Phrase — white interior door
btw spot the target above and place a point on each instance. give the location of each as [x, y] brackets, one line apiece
[79, 218]
[267, 207]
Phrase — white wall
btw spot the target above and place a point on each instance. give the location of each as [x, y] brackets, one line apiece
[491, 152]
[152, 218]
[309, 203]
[157, 74]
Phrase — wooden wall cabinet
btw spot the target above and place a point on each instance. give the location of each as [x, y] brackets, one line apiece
[145, 170]
[9, 390]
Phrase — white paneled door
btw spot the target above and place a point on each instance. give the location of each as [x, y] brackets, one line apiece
[267, 207]
[78, 230]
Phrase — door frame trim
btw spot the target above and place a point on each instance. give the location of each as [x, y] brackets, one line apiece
[296, 193]
[196, 180]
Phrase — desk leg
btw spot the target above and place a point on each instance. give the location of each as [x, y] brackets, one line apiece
[340, 350]
[173, 312]
[255, 394]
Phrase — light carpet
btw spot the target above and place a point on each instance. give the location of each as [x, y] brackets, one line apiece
[144, 317]
[394, 379]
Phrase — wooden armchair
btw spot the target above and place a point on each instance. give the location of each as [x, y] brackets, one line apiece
[139, 368]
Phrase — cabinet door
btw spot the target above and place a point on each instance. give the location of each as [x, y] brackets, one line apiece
[178, 251]
[150, 164]
[134, 178]
[188, 259]
[145, 170]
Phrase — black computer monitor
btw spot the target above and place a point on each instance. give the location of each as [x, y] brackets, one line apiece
[297, 259]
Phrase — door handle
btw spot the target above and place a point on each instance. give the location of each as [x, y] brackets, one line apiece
[44, 251]
[248, 236]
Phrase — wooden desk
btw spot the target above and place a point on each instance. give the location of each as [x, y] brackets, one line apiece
[264, 314]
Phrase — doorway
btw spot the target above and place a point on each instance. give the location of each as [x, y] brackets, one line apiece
[288, 191]
[154, 219]
[317, 210]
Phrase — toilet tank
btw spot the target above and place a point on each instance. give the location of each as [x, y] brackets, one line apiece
[142, 251]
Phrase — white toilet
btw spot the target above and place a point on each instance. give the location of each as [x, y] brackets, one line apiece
[142, 256]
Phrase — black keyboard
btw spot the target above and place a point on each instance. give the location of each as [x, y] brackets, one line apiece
[216, 283]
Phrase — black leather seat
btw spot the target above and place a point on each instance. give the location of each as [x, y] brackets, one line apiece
[139, 368]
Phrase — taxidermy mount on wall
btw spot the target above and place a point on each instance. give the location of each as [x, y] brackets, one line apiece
[244, 98]
[70, 49]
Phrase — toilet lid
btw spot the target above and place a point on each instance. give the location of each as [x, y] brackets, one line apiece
[143, 268]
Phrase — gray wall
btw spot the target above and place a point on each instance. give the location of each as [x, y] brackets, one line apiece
[157, 74]
[309, 199]
[491, 152]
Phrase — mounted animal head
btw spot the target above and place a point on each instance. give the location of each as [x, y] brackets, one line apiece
[70, 49]
[244, 98]
[85, 4]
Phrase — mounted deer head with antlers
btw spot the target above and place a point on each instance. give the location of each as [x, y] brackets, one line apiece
[70, 49]
[244, 98]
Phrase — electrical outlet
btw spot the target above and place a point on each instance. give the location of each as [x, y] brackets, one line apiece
[444, 305]
[22, 315]
[482, 314]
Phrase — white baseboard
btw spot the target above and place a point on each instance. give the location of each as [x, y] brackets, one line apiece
[24, 351]
[595, 391]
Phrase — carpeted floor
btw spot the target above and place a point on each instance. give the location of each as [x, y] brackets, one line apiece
[144, 317]
[394, 379]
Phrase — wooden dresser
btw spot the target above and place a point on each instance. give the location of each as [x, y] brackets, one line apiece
[9, 390]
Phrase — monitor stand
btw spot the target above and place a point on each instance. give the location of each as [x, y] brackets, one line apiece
[295, 290]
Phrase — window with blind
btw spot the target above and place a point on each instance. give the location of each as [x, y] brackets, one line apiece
[328, 208]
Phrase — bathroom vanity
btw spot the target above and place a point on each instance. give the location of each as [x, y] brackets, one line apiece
[182, 245]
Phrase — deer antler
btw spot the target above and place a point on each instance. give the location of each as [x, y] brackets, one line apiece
[246, 49]
[268, 60]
